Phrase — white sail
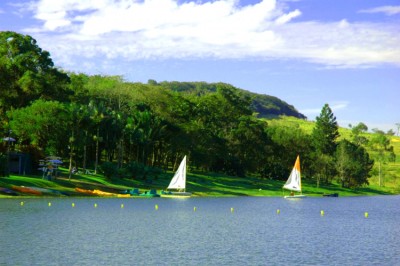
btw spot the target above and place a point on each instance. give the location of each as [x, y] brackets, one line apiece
[179, 179]
[294, 181]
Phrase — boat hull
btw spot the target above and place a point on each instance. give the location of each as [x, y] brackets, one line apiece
[7, 191]
[295, 197]
[170, 194]
[334, 195]
[27, 190]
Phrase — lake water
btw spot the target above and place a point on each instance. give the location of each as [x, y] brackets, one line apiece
[253, 233]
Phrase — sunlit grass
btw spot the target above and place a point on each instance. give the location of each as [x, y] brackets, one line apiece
[198, 183]
[390, 171]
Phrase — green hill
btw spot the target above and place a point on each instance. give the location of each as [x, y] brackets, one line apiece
[265, 106]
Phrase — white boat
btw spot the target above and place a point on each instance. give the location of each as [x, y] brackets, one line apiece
[294, 181]
[178, 183]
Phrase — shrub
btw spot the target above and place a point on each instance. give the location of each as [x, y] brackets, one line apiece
[109, 169]
[3, 165]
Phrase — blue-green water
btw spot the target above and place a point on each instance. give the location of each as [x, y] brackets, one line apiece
[177, 234]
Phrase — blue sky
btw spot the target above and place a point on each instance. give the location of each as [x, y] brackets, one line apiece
[307, 52]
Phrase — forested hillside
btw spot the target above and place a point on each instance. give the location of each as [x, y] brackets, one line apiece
[264, 106]
[136, 130]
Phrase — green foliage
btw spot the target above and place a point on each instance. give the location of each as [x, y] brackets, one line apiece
[264, 106]
[109, 169]
[353, 164]
[42, 124]
[288, 141]
[385, 174]
[324, 136]
[27, 73]
[357, 132]
[325, 131]
[135, 170]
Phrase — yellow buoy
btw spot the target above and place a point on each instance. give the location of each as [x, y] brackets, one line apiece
[22, 203]
[278, 211]
[73, 205]
[49, 204]
[122, 206]
[156, 207]
[322, 213]
[95, 205]
[366, 214]
[194, 209]
[232, 209]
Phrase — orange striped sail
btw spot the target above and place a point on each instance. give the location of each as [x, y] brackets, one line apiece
[294, 181]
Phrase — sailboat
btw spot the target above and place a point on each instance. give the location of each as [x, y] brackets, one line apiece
[294, 181]
[178, 183]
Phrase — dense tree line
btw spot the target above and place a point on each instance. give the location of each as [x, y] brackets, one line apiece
[129, 129]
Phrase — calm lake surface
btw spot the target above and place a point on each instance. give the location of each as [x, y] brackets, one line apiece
[212, 234]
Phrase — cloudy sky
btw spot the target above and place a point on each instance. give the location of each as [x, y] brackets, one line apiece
[307, 52]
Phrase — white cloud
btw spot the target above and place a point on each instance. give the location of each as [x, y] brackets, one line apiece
[387, 10]
[311, 113]
[335, 107]
[161, 29]
[287, 17]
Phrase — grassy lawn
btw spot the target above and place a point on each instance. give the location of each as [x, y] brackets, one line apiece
[214, 185]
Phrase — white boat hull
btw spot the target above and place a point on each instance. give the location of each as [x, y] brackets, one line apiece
[295, 197]
[176, 195]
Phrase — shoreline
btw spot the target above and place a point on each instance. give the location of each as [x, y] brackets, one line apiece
[201, 185]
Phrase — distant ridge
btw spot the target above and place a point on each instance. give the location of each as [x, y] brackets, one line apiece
[265, 106]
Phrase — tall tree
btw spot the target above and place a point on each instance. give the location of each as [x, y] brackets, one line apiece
[326, 131]
[27, 73]
[324, 135]
[41, 124]
[357, 131]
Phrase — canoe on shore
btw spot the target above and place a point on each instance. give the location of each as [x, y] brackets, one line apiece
[104, 193]
[7, 191]
[100, 193]
[27, 190]
[48, 191]
[84, 191]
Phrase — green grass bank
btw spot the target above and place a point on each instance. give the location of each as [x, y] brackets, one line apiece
[199, 184]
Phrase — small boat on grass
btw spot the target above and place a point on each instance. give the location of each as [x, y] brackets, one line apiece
[133, 192]
[178, 182]
[8, 192]
[27, 190]
[86, 192]
[123, 196]
[151, 194]
[333, 195]
[101, 193]
[294, 182]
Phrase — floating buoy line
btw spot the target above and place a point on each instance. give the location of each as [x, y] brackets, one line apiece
[156, 207]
